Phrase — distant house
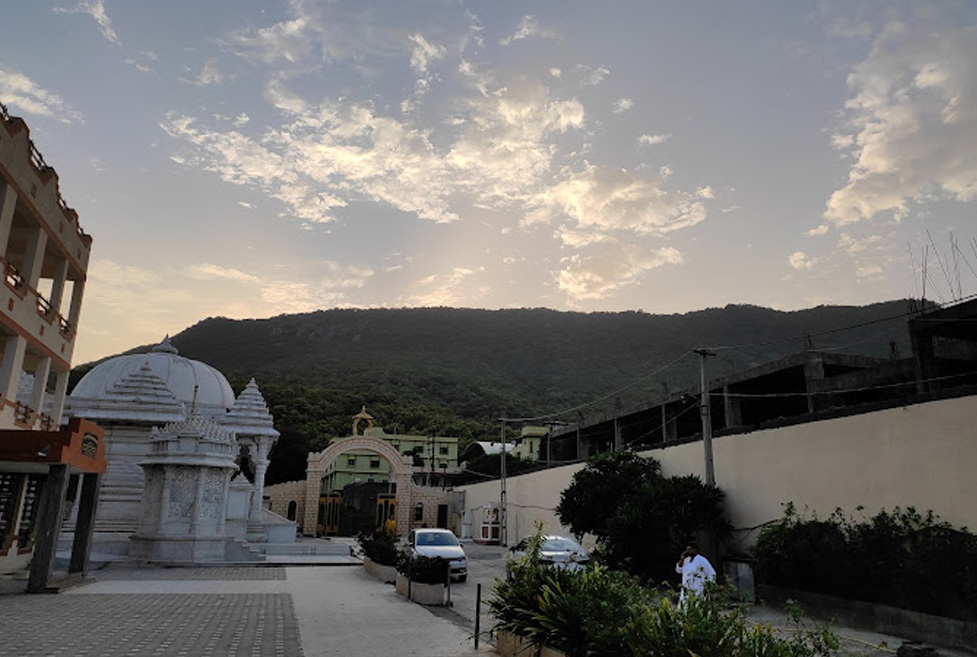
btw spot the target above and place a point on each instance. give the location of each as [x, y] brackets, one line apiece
[435, 459]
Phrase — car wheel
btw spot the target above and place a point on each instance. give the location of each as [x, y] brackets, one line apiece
[462, 578]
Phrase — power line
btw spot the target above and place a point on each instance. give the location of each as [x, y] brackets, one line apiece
[599, 399]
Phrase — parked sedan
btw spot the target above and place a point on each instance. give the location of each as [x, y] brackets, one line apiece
[558, 552]
[440, 543]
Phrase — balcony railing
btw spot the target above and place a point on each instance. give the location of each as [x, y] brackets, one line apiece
[16, 282]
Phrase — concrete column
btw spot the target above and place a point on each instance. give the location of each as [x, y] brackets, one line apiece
[41, 373]
[60, 391]
[34, 256]
[8, 201]
[312, 483]
[74, 313]
[732, 409]
[48, 528]
[618, 440]
[813, 378]
[57, 285]
[13, 362]
[85, 526]
[260, 461]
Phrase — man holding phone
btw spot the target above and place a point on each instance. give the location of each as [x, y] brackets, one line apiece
[695, 570]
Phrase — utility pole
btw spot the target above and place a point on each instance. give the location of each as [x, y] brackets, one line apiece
[503, 519]
[706, 417]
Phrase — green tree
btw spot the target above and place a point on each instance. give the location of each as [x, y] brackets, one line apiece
[641, 519]
[607, 480]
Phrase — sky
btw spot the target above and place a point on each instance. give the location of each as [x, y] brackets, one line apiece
[248, 159]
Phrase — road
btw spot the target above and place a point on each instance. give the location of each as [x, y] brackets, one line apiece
[485, 564]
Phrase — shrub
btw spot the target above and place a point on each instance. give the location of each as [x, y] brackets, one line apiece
[597, 612]
[380, 547]
[424, 570]
[900, 558]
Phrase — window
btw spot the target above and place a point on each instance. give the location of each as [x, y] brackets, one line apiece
[351, 461]
[374, 464]
[443, 449]
[419, 512]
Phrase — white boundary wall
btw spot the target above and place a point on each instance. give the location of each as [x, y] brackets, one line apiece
[924, 455]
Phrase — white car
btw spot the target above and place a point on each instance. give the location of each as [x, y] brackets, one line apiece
[557, 552]
[439, 543]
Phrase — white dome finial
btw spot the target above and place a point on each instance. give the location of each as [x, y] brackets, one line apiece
[165, 346]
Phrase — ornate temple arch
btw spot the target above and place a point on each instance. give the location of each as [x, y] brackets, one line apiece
[401, 467]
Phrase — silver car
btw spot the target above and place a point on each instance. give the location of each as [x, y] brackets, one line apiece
[440, 543]
[558, 552]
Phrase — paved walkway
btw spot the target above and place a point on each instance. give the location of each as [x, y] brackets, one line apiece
[202, 612]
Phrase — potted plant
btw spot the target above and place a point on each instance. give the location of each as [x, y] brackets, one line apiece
[380, 554]
[423, 579]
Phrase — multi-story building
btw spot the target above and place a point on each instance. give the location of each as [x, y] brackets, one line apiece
[44, 258]
[435, 459]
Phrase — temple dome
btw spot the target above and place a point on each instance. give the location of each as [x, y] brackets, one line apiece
[180, 375]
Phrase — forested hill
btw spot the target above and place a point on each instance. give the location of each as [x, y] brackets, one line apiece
[452, 370]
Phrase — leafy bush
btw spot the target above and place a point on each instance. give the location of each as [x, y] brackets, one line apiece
[380, 547]
[597, 612]
[424, 570]
[900, 558]
[640, 518]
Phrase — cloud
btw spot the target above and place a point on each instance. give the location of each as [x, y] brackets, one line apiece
[654, 139]
[820, 230]
[911, 124]
[208, 75]
[95, 9]
[605, 198]
[591, 76]
[451, 289]
[141, 62]
[800, 260]
[207, 271]
[423, 53]
[529, 27]
[291, 296]
[17, 90]
[622, 105]
[616, 267]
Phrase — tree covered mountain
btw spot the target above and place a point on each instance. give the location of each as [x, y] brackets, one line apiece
[453, 371]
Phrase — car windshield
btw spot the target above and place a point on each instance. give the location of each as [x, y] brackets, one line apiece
[560, 545]
[436, 538]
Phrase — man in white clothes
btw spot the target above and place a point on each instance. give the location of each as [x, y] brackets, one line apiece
[695, 570]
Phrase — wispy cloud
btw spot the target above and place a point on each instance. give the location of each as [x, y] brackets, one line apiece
[622, 105]
[423, 53]
[654, 139]
[95, 9]
[209, 75]
[208, 271]
[18, 90]
[529, 27]
[618, 266]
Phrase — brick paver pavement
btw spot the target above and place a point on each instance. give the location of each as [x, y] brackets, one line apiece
[144, 624]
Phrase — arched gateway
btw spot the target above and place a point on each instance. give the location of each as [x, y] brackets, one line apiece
[401, 468]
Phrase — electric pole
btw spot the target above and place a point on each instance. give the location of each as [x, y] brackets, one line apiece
[503, 519]
[706, 417]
